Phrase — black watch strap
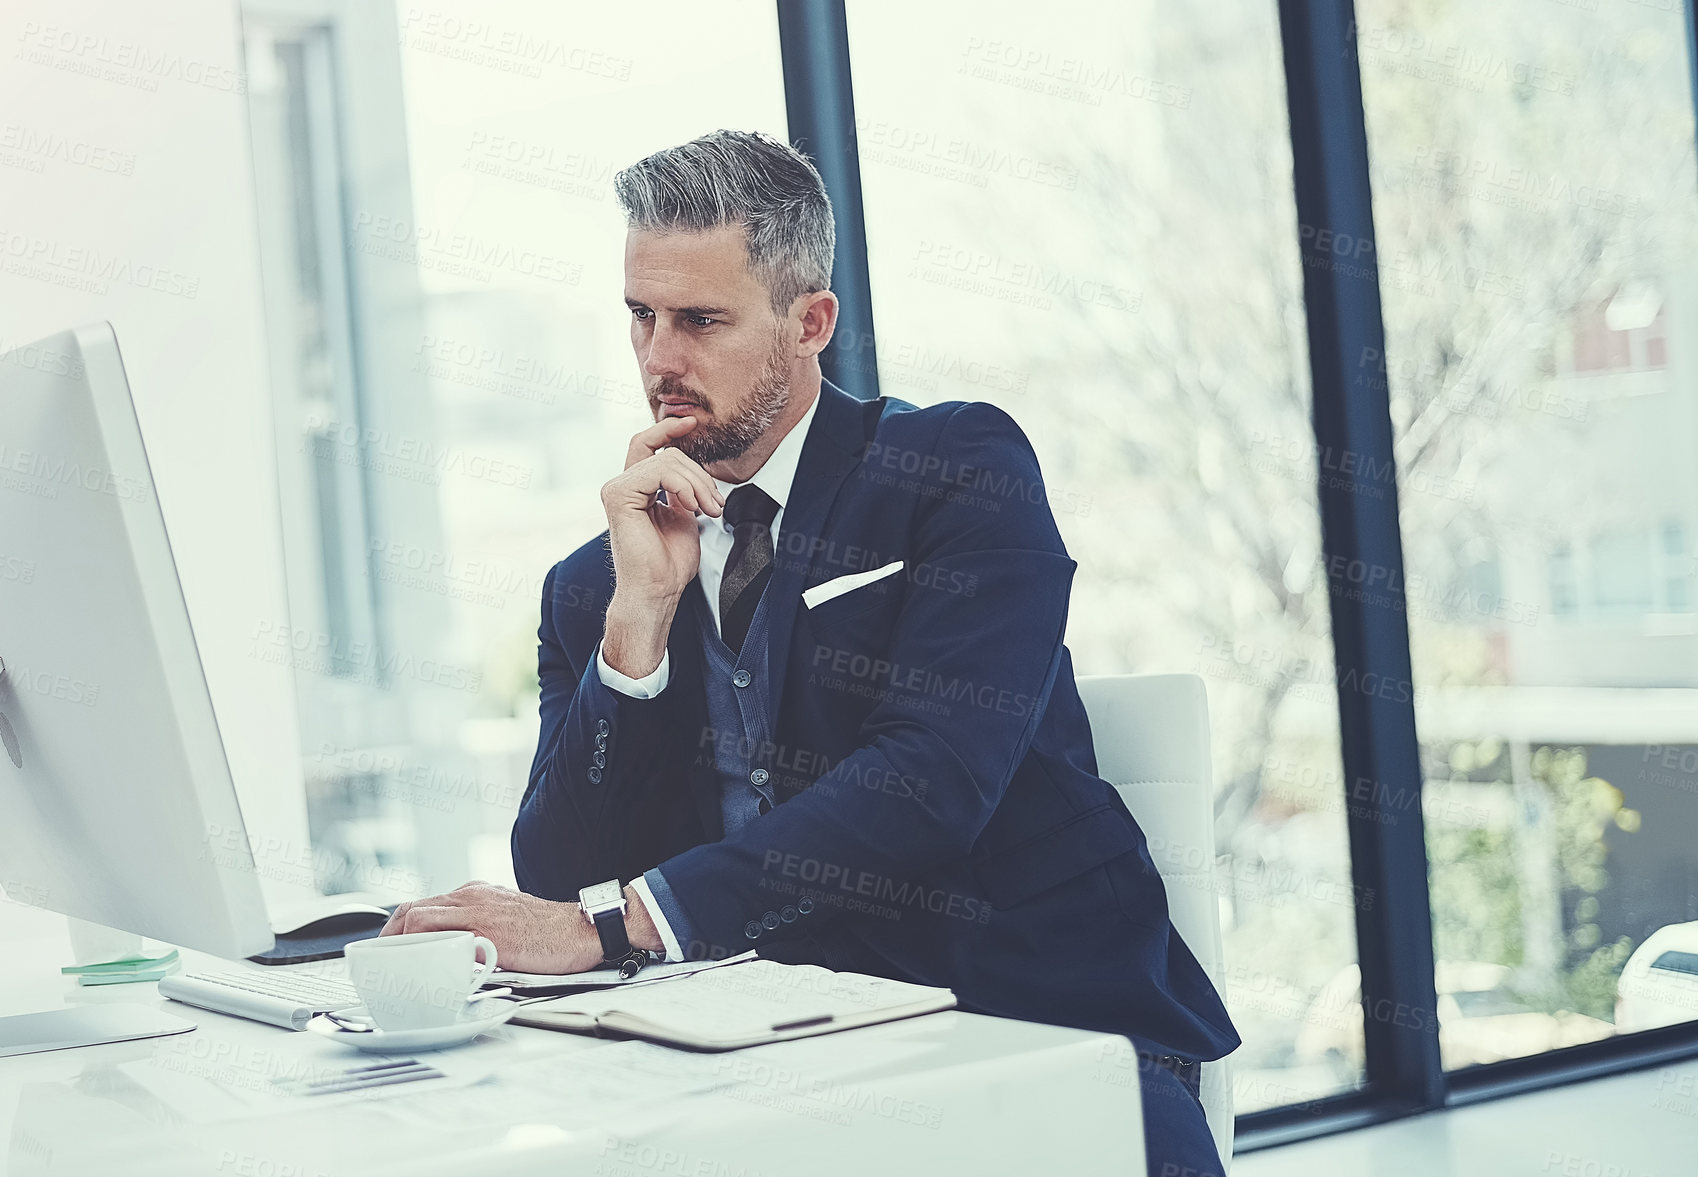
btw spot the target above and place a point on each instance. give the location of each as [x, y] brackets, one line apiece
[610, 926]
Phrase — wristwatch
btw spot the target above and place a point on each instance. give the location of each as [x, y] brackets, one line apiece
[604, 906]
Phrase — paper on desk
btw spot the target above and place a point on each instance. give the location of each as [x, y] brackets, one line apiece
[212, 1082]
[630, 1087]
[601, 978]
[593, 1084]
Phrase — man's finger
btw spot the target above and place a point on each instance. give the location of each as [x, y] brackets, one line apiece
[681, 473]
[456, 898]
[397, 919]
[442, 919]
[658, 436]
[686, 485]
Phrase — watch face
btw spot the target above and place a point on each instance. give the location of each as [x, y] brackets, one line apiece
[601, 896]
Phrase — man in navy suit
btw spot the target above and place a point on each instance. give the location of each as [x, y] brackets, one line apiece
[808, 692]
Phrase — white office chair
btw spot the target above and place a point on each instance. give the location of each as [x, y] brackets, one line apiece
[1151, 733]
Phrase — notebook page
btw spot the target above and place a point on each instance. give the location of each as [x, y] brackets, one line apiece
[596, 978]
[746, 1000]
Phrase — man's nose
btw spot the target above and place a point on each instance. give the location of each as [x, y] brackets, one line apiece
[665, 356]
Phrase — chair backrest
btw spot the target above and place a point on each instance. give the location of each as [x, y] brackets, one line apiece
[1151, 733]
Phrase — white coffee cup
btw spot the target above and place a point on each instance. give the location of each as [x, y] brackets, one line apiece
[418, 980]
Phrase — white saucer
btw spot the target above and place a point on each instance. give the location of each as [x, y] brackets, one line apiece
[478, 1017]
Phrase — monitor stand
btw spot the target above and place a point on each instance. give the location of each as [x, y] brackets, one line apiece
[60, 1029]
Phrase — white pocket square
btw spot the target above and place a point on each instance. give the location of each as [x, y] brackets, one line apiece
[821, 593]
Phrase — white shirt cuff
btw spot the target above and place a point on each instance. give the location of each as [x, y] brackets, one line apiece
[641, 886]
[647, 687]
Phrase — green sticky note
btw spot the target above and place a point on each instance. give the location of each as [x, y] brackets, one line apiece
[128, 964]
[124, 978]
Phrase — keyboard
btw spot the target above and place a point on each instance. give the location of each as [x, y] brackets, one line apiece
[279, 998]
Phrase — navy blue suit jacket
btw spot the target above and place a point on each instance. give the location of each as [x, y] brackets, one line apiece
[940, 818]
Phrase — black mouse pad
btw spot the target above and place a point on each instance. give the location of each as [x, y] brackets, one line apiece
[322, 939]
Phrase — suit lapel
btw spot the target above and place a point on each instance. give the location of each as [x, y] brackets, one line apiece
[834, 444]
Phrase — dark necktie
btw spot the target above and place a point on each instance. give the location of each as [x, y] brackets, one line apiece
[750, 512]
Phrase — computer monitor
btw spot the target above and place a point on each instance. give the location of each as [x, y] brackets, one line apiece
[116, 800]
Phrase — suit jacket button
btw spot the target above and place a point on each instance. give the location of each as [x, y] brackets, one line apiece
[742, 679]
[752, 930]
[787, 913]
[602, 727]
[600, 759]
[805, 906]
[601, 739]
[770, 919]
[595, 776]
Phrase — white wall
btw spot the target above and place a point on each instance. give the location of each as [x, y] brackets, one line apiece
[123, 131]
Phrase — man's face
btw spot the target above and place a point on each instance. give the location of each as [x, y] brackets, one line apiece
[706, 338]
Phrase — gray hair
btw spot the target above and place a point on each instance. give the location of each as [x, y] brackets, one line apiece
[745, 178]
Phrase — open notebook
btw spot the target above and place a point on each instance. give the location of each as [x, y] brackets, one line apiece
[746, 1004]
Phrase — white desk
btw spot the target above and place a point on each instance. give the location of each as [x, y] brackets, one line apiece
[944, 1094]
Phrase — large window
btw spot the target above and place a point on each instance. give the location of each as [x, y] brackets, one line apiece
[453, 377]
[1536, 211]
[1084, 215]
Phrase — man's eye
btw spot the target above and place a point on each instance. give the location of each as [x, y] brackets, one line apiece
[641, 313]
[700, 321]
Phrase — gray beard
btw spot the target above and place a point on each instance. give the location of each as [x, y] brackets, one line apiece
[731, 439]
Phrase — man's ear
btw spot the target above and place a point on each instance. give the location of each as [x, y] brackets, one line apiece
[819, 322]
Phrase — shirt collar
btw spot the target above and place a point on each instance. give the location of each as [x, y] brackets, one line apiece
[778, 473]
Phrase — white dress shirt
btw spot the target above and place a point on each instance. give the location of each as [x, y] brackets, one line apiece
[776, 476]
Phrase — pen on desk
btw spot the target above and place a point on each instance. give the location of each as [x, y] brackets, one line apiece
[800, 1022]
[407, 1074]
[400, 1062]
